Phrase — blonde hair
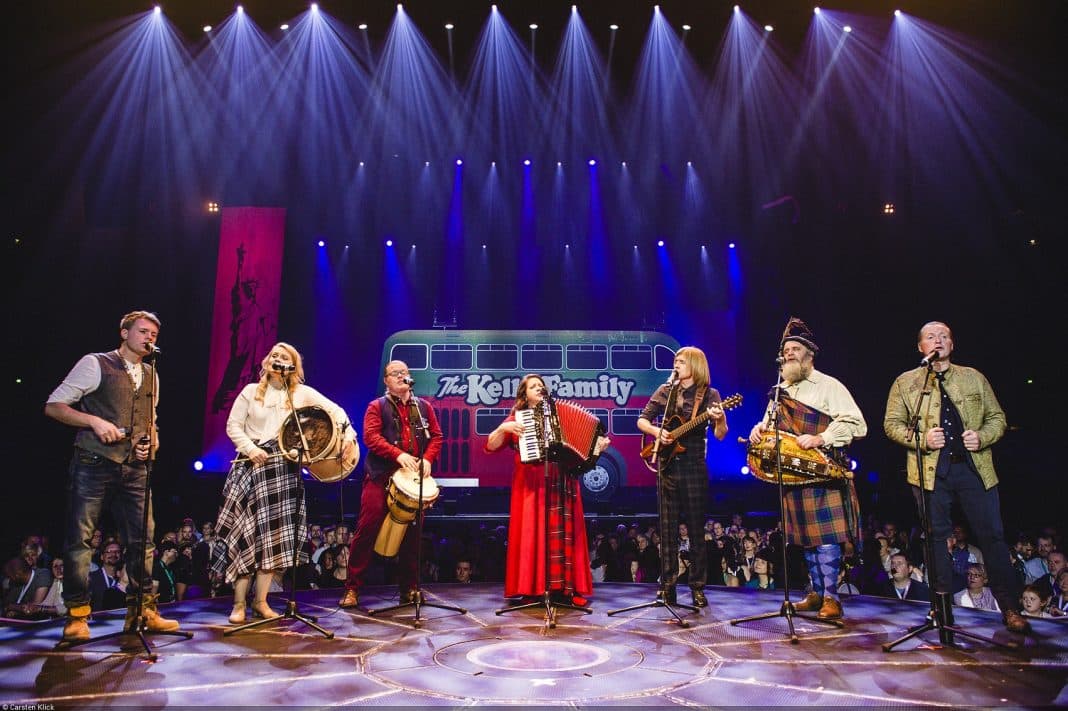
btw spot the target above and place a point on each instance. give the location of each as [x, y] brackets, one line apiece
[292, 379]
[695, 358]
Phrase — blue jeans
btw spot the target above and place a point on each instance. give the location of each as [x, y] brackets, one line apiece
[94, 481]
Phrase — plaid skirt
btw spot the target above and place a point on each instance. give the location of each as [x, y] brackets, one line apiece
[261, 514]
[817, 515]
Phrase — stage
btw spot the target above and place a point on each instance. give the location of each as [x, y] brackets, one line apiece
[480, 658]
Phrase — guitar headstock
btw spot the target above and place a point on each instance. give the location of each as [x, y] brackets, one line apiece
[732, 402]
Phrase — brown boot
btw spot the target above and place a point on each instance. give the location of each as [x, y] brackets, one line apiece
[1014, 622]
[77, 627]
[154, 622]
[831, 609]
[811, 603]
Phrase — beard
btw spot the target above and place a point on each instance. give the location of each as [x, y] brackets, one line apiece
[795, 371]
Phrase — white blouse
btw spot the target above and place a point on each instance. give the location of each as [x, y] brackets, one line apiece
[251, 422]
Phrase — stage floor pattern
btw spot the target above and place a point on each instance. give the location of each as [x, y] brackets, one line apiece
[480, 658]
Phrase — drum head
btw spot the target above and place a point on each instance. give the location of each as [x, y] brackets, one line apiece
[406, 484]
[319, 431]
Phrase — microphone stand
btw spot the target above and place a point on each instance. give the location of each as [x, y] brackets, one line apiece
[939, 617]
[291, 612]
[661, 514]
[416, 597]
[787, 609]
[139, 625]
[551, 452]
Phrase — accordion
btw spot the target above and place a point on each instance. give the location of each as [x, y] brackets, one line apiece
[559, 431]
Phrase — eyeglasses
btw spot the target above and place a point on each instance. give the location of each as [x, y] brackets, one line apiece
[397, 373]
[976, 575]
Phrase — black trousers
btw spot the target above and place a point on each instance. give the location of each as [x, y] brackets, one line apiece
[982, 509]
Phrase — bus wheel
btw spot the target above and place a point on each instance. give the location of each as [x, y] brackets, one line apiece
[601, 482]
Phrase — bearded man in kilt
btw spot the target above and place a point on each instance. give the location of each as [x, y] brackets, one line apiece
[819, 410]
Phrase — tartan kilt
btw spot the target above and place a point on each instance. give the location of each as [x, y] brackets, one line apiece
[821, 515]
[261, 513]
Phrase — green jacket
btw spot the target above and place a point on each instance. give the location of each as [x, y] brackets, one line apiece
[978, 407]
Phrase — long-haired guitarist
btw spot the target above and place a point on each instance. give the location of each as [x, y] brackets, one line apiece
[683, 472]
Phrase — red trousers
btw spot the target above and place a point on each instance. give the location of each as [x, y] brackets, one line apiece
[372, 514]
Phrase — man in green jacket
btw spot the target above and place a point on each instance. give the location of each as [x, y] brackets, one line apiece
[960, 419]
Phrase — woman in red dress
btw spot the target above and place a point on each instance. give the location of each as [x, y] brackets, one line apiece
[570, 576]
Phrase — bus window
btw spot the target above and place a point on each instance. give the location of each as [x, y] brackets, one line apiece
[488, 418]
[450, 356]
[542, 357]
[602, 415]
[625, 421]
[497, 356]
[413, 354]
[587, 356]
[636, 356]
[664, 356]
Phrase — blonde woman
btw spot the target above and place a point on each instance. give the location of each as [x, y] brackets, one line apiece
[262, 507]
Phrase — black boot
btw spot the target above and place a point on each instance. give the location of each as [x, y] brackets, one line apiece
[944, 611]
[668, 594]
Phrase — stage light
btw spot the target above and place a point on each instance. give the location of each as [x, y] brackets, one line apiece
[685, 28]
[635, 246]
[493, 8]
[888, 208]
[427, 164]
[624, 164]
[567, 246]
[745, 469]
[533, 26]
[689, 164]
[362, 26]
[852, 465]
[483, 246]
[526, 162]
[389, 243]
[613, 27]
[413, 246]
[198, 466]
[157, 9]
[574, 9]
[346, 246]
[315, 7]
[213, 206]
[731, 245]
[448, 25]
[283, 27]
[816, 10]
[592, 161]
[207, 28]
[660, 243]
[737, 9]
[897, 13]
[493, 164]
[322, 243]
[240, 9]
[769, 28]
[847, 29]
[459, 161]
[559, 164]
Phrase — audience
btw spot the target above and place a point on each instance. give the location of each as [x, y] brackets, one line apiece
[976, 594]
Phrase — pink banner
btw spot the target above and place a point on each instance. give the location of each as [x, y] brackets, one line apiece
[245, 316]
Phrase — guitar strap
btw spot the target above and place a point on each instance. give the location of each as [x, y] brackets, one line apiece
[697, 403]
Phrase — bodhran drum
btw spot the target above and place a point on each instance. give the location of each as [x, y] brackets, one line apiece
[402, 502]
[325, 439]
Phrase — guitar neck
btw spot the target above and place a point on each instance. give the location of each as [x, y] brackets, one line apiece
[685, 429]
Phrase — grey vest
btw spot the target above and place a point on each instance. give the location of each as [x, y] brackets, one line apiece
[117, 402]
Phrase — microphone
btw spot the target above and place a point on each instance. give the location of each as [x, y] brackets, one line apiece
[779, 360]
[282, 368]
[673, 377]
[930, 358]
[408, 380]
[152, 348]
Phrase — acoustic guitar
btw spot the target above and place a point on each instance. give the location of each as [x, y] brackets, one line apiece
[652, 451]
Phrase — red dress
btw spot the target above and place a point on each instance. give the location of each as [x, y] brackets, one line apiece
[569, 566]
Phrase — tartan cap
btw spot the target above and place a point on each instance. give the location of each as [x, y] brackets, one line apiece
[797, 330]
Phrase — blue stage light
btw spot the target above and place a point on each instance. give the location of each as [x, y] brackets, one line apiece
[526, 162]
[198, 466]
[322, 243]
[459, 161]
[389, 243]
[745, 469]
[284, 27]
[207, 28]
[731, 245]
[593, 162]
[660, 243]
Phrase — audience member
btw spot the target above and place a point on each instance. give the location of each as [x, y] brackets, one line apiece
[976, 594]
[901, 584]
[164, 575]
[106, 590]
[1033, 602]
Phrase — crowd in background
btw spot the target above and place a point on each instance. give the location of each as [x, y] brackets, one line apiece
[888, 561]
